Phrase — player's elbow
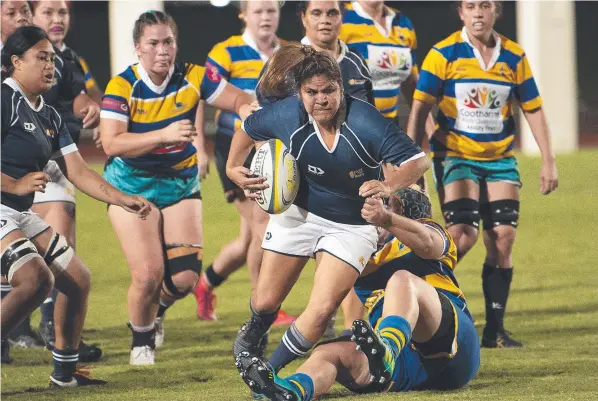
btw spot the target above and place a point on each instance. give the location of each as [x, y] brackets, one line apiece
[427, 248]
[421, 165]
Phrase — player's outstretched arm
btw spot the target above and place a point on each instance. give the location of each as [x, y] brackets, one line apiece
[92, 184]
[424, 241]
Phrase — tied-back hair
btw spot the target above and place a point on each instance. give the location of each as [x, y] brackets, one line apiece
[21, 40]
[153, 17]
[292, 65]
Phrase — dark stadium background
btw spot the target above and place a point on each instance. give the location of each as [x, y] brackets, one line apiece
[202, 25]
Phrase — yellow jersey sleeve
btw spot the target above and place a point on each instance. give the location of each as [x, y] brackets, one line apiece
[526, 90]
[115, 102]
[431, 78]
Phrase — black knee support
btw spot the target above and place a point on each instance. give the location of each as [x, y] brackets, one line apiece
[504, 212]
[180, 258]
[462, 211]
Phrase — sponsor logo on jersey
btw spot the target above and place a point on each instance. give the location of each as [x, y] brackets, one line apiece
[29, 127]
[315, 170]
[479, 107]
[356, 173]
[392, 59]
[50, 132]
[354, 81]
[212, 72]
[268, 236]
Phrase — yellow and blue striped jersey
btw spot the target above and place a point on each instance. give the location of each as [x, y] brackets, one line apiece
[133, 98]
[394, 256]
[240, 62]
[389, 51]
[90, 81]
[475, 116]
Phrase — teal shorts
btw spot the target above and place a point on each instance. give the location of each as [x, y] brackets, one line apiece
[450, 169]
[161, 191]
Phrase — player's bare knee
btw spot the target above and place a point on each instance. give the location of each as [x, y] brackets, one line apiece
[400, 280]
[38, 282]
[182, 268]
[264, 302]
[504, 239]
[148, 280]
[185, 281]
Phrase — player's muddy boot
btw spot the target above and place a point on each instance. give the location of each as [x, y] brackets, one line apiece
[261, 379]
[381, 358]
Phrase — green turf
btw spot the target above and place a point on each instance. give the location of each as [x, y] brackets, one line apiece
[553, 309]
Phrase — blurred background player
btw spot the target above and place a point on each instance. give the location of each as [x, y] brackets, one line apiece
[34, 256]
[15, 14]
[476, 76]
[148, 130]
[240, 60]
[386, 39]
[57, 204]
[68, 97]
[322, 22]
[419, 335]
[341, 145]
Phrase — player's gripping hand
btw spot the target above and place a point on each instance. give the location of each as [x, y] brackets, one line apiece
[90, 115]
[246, 180]
[375, 188]
[374, 212]
[178, 132]
[247, 109]
[135, 204]
[32, 182]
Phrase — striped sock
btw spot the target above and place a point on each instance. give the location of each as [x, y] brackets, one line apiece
[302, 384]
[162, 307]
[292, 346]
[5, 289]
[395, 331]
[65, 363]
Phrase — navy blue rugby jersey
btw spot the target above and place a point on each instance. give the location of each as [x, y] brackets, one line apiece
[30, 137]
[330, 179]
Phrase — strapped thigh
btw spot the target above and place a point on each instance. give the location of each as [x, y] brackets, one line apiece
[462, 211]
[16, 254]
[504, 212]
[179, 258]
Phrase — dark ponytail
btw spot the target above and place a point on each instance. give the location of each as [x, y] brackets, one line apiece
[21, 40]
[292, 65]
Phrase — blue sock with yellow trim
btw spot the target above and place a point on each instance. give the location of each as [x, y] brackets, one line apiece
[395, 331]
[302, 384]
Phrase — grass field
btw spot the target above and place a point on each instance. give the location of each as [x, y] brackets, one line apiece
[553, 309]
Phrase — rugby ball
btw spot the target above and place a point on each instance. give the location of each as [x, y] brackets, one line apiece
[274, 161]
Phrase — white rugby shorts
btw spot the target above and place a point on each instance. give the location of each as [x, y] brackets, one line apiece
[28, 222]
[297, 232]
[59, 189]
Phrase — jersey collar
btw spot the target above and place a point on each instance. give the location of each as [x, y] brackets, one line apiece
[343, 46]
[14, 85]
[342, 116]
[251, 43]
[478, 55]
[390, 15]
[147, 80]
